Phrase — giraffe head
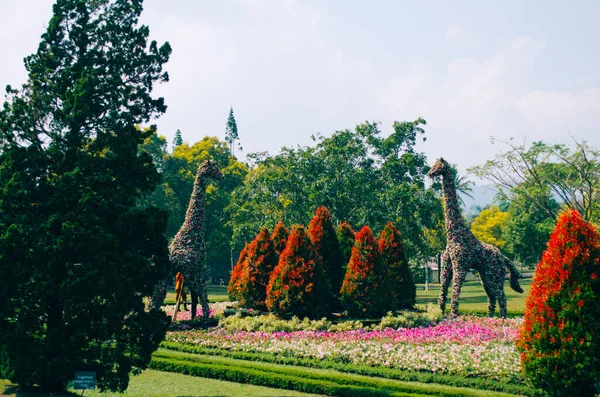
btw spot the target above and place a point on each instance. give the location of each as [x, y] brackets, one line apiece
[209, 169]
[440, 168]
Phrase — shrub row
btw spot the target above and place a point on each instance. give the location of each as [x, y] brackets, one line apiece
[507, 385]
[301, 379]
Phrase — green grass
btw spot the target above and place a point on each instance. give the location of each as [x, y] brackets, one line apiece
[216, 293]
[151, 383]
[321, 381]
[473, 298]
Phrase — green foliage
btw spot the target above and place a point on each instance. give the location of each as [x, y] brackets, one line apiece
[231, 133]
[299, 284]
[325, 242]
[78, 252]
[393, 256]
[280, 236]
[411, 319]
[346, 238]
[559, 343]
[178, 139]
[489, 227]
[272, 323]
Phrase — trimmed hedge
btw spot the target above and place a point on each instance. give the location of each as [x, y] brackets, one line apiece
[302, 379]
[393, 255]
[325, 242]
[233, 288]
[511, 386]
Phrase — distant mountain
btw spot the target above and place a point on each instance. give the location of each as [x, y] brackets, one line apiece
[482, 195]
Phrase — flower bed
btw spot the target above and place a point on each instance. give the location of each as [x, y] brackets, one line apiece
[468, 346]
[216, 310]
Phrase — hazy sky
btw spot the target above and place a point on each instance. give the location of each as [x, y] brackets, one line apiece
[290, 69]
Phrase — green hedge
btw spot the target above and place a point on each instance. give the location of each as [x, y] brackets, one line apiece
[513, 386]
[301, 379]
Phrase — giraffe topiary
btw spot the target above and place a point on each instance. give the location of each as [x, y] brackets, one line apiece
[464, 252]
[187, 250]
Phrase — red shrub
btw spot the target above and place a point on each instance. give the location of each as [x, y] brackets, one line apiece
[559, 340]
[260, 261]
[280, 237]
[393, 256]
[366, 291]
[325, 242]
[233, 289]
[346, 238]
[298, 285]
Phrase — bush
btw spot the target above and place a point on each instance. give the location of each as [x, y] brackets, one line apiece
[432, 316]
[298, 285]
[233, 289]
[559, 341]
[279, 237]
[260, 261]
[366, 291]
[346, 238]
[393, 255]
[326, 244]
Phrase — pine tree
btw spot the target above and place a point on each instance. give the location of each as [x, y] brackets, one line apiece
[346, 237]
[231, 133]
[559, 340]
[178, 140]
[78, 251]
[280, 237]
[233, 289]
[324, 239]
[298, 285]
[393, 256]
[259, 264]
[366, 291]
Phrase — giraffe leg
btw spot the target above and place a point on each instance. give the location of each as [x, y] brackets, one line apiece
[501, 300]
[457, 283]
[491, 299]
[194, 302]
[204, 302]
[446, 277]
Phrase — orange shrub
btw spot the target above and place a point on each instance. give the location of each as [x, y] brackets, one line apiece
[233, 286]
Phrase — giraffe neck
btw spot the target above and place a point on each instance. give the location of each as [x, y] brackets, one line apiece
[195, 210]
[456, 228]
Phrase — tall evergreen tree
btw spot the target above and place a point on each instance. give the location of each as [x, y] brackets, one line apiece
[346, 238]
[324, 239]
[279, 237]
[178, 140]
[393, 256]
[78, 251]
[231, 133]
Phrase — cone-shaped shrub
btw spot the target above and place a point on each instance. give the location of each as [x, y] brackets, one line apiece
[298, 285]
[324, 239]
[366, 291]
[560, 337]
[260, 261]
[393, 255]
[233, 289]
[346, 238]
[280, 237]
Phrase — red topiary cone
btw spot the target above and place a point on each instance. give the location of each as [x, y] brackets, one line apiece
[393, 255]
[560, 337]
[233, 288]
[260, 261]
[279, 237]
[324, 239]
[346, 237]
[366, 290]
[298, 285]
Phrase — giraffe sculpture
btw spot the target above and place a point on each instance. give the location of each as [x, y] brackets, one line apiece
[464, 252]
[187, 251]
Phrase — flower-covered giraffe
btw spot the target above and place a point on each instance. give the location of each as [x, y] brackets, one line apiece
[187, 251]
[464, 252]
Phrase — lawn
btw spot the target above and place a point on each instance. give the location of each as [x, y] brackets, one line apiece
[216, 293]
[166, 384]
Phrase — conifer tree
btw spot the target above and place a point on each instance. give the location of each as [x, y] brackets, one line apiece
[393, 256]
[346, 237]
[259, 264]
[366, 291]
[324, 239]
[559, 340]
[231, 133]
[178, 140]
[77, 253]
[298, 285]
[280, 237]
[233, 288]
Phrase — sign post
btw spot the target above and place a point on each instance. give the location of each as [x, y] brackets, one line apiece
[84, 380]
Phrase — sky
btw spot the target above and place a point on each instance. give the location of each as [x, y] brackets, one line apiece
[528, 70]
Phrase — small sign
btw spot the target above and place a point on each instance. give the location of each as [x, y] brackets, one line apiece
[84, 380]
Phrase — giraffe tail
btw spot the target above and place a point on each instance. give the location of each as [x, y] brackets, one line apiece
[515, 275]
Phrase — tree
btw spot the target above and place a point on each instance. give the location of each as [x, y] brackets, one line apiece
[326, 244]
[78, 251]
[178, 139]
[559, 342]
[572, 175]
[233, 288]
[393, 256]
[346, 238]
[231, 133]
[489, 227]
[366, 290]
[298, 285]
[260, 261]
[280, 237]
